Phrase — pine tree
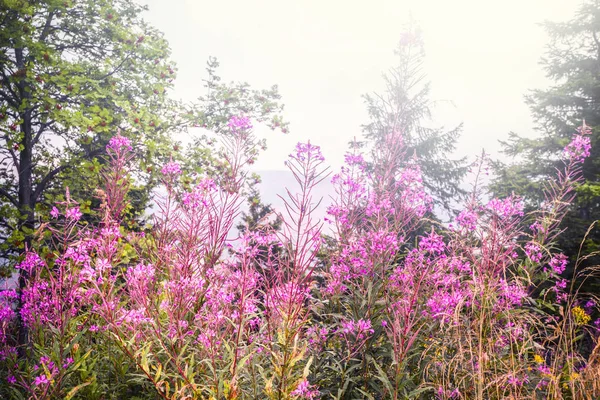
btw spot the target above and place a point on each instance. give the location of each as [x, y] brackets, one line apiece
[572, 61]
[405, 106]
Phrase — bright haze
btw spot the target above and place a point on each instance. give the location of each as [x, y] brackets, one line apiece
[482, 58]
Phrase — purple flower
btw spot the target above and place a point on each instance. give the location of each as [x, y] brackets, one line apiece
[54, 213]
[73, 214]
[506, 208]
[241, 123]
[171, 168]
[11, 379]
[41, 380]
[307, 151]
[32, 261]
[558, 263]
[68, 361]
[533, 252]
[361, 328]
[305, 390]
[433, 243]
[355, 159]
[118, 142]
[579, 148]
[467, 219]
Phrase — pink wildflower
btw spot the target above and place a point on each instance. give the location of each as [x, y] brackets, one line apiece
[41, 380]
[73, 214]
[119, 142]
[305, 390]
[558, 263]
[171, 169]
[54, 213]
[241, 123]
[579, 148]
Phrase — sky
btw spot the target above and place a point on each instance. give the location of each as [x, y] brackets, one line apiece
[481, 59]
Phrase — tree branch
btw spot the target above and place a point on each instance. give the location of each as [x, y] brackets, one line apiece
[42, 128]
[47, 26]
[42, 185]
[11, 198]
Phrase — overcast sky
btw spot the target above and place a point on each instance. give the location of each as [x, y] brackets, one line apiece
[482, 57]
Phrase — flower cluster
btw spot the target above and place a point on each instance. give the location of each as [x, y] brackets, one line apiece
[171, 169]
[509, 207]
[307, 151]
[579, 148]
[239, 123]
[119, 143]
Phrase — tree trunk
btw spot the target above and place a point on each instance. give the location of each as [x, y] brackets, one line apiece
[25, 199]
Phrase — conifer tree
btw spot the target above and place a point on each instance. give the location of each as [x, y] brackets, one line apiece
[405, 106]
[572, 61]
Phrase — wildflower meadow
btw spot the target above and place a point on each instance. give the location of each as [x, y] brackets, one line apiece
[375, 301]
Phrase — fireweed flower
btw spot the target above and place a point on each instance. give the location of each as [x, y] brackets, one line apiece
[534, 252]
[7, 315]
[559, 289]
[68, 361]
[507, 208]
[537, 227]
[516, 381]
[512, 294]
[349, 183]
[119, 142]
[467, 219]
[41, 380]
[31, 262]
[306, 151]
[558, 263]
[433, 243]
[589, 306]
[239, 123]
[355, 160]
[377, 206]
[448, 394]
[171, 168]
[361, 329]
[579, 148]
[73, 214]
[443, 304]
[305, 390]
[200, 194]
[317, 335]
[55, 213]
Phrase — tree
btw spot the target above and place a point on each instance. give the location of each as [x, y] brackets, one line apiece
[71, 72]
[572, 61]
[405, 106]
[74, 71]
[259, 215]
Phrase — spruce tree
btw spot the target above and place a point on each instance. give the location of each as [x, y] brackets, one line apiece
[405, 106]
[572, 61]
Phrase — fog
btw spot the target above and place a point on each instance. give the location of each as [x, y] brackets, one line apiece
[482, 58]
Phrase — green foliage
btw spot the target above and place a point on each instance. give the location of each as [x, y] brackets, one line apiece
[72, 72]
[212, 112]
[573, 62]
